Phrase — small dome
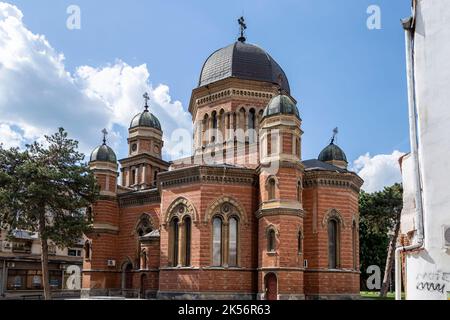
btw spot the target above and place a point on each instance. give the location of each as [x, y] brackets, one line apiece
[243, 61]
[103, 153]
[145, 119]
[332, 153]
[281, 104]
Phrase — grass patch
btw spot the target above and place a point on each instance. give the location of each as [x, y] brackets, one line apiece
[374, 295]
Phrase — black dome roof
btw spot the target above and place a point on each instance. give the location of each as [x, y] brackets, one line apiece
[244, 61]
[103, 153]
[332, 152]
[145, 119]
[281, 104]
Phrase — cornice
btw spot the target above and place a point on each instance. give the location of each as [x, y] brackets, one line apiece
[332, 179]
[141, 156]
[139, 198]
[208, 174]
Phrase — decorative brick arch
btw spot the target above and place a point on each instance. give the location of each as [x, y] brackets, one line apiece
[333, 214]
[127, 260]
[215, 208]
[142, 217]
[274, 177]
[185, 208]
[274, 228]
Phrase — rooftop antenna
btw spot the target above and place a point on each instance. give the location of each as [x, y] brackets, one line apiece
[105, 133]
[242, 26]
[335, 132]
[146, 98]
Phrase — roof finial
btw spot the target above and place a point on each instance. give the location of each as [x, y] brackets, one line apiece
[146, 98]
[243, 26]
[335, 132]
[105, 133]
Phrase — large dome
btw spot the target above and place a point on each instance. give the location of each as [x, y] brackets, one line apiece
[332, 153]
[281, 104]
[244, 61]
[145, 119]
[103, 153]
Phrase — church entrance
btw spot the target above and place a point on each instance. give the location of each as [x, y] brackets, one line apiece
[271, 286]
[127, 276]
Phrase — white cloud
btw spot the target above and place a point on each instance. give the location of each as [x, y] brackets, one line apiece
[379, 171]
[10, 137]
[38, 95]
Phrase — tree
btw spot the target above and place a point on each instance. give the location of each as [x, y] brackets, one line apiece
[46, 188]
[379, 228]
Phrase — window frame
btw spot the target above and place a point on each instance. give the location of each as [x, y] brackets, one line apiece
[236, 245]
[271, 240]
[333, 261]
[219, 244]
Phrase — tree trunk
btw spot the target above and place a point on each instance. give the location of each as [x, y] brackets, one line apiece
[390, 260]
[44, 258]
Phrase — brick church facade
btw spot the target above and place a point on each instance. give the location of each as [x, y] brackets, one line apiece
[244, 217]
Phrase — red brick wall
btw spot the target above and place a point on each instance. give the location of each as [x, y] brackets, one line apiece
[211, 280]
[128, 238]
[318, 201]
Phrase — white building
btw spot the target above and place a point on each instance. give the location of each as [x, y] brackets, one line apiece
[20, 264]
[426, 171]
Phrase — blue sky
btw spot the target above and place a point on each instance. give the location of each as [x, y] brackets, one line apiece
[342, 73]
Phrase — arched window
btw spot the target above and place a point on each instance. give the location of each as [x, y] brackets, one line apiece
[355, 245]
[155, 177]
[144, 227]
[217, 241]
[187, 241]
[87, 250]
[271, 184]
[214, 120]
[133, 177]
[233, 242]
[252, 126]
[205, 128]
[271, 241]
[333, 244]
[299, 191]
[300, 242]
[175, 238]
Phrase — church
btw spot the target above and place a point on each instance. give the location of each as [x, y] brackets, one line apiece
[244, 217]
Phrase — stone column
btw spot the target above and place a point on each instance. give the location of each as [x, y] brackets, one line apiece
[181, 246]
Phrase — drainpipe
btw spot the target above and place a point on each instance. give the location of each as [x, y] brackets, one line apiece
[408, 25]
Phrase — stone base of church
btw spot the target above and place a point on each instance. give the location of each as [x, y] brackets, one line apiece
[281, 296]
[333, 297]
[172, 295]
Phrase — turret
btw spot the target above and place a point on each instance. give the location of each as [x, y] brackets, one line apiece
[280, 217]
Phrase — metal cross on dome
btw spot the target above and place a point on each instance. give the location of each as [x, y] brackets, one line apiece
[243, 26]
[335, 132]
[105, 133]
[146, 98]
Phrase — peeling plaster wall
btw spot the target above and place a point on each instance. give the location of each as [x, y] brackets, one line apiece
[428, 272]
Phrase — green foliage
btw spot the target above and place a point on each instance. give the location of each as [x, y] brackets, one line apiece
[46, 188]
[379, 212]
